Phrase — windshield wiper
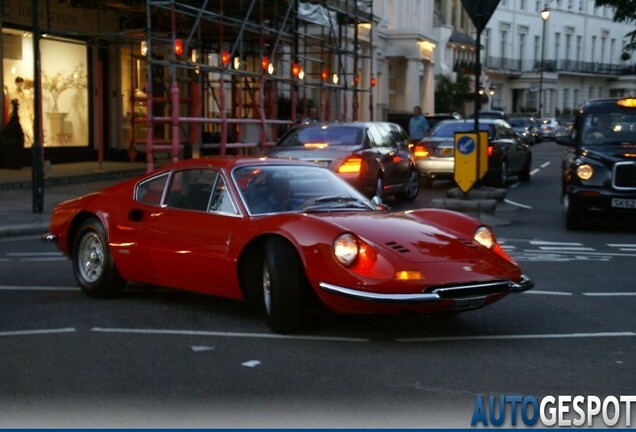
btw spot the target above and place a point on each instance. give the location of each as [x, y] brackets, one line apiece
[333, 201]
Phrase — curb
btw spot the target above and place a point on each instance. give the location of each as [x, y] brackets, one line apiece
[71, 179]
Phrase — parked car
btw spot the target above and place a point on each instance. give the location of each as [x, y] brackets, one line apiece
[372, 156]
[492, 114]
[432, 119]
[525, 129]
[206, 225]
[550, 127]
[507, 155]
[599, 166]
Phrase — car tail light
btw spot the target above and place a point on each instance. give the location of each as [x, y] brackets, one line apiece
[420, 151]
[351, 165]
[491, 150]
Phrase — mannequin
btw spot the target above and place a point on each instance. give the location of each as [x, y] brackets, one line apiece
[25, 109]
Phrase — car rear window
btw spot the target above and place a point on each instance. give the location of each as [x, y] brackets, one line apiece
[324, 136]
[448, 129]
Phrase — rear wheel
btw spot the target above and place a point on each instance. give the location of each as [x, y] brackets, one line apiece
[93, 263]
[524, 175]
[412, 187]
[284, 286]
[502, 180]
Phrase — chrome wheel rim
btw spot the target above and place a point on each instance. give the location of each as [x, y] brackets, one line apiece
[90, 257]
[379, 187]
[267, 288]
[413, 186]
[504, 175]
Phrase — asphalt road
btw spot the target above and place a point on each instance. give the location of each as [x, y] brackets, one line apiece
[163, 358]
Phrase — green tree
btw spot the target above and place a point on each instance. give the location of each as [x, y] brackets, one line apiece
[450, 95]
[624, 11]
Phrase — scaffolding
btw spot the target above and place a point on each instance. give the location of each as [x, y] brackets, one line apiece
[228, 77]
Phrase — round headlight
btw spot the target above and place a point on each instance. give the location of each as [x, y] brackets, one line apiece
[484, 237]
[345, 249]
[584, 172]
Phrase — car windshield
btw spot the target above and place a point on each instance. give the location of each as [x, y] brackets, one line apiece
[447, 129]
[270, 189]
[518, 122]
[609, 128]
[324, 136]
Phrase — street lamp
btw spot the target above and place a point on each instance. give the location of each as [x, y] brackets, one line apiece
[545, 14]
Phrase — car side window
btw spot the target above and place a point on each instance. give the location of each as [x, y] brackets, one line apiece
[151, 191]
[191, 189]
[221, 201]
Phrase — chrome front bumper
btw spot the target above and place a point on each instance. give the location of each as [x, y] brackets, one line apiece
[455, 292]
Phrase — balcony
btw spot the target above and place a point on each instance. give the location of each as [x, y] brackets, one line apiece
[511, 65]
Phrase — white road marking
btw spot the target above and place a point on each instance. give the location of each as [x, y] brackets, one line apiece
[251, 363]
[554, 293]
[582, 253]
[226, 334]
[517, 204]
[202, 348]
[43, 259]
[545, 164]
[37, 288]
[534, 171]
[610, 294]
[38, 332]
[33, 254]
[519, 337]
[547, 243]
[620, 245]
[568, 248]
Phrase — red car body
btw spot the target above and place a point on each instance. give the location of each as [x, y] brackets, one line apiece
[420, 261]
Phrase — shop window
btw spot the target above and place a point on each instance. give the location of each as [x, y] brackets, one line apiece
[64, 87]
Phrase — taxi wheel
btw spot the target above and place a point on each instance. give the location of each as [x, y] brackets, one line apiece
[93, 264]
[524, 175]
[502, 180]
[284, 286]
[571, 214]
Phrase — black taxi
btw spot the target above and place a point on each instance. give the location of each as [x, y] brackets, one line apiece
[599, 166]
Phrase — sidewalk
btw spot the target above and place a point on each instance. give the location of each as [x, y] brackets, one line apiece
[64, 181]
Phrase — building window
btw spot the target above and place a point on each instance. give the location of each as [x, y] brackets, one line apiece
[557, 46]
[612, 50]
[537, 47]
[593, 50]
[568, 47]
[591, 93]
[537, 6]
[64, 86]
[522, 4]
[522, 46]
[579, 40]
[575, 97]
[566, 98]
[502, 46]
[603, 40]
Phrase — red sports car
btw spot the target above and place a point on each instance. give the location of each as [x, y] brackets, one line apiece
[282, 234]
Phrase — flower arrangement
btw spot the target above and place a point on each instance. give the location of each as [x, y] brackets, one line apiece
[61, 81]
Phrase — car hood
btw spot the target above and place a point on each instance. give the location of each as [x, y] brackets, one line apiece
[409, 238]
[611, 154]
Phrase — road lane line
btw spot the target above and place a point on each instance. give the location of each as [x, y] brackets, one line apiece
[519, 337]
[225, 334]
[569, 248]
[37, 288]
[38, 332]
[545, 164]
[628, 245]
[610, 294]
[43, 259]
[534, 171]
[556, 293]
[33, 254]
[548, 243]
[518, 204]
[582, 253]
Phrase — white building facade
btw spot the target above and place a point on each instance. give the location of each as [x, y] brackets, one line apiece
[583, 57]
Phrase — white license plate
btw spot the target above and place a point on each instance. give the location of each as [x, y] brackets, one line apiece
[469, 303]
[445, 151]
[624, 203]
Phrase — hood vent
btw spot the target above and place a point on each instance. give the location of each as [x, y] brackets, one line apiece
[398, 247]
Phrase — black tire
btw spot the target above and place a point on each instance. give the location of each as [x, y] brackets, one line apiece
[93, 264]
[284, 286]
[502, 179]
[571, 214]
[379, 187]
[412, 187]
[524, 174]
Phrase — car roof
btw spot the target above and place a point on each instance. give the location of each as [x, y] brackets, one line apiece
[601, 105]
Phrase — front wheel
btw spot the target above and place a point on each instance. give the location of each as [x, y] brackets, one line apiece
[284, 286]
[412, 187]
[571, 214]
[93, 263]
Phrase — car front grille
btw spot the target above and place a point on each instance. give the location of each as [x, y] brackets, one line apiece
[624, 176]
[471, 289]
